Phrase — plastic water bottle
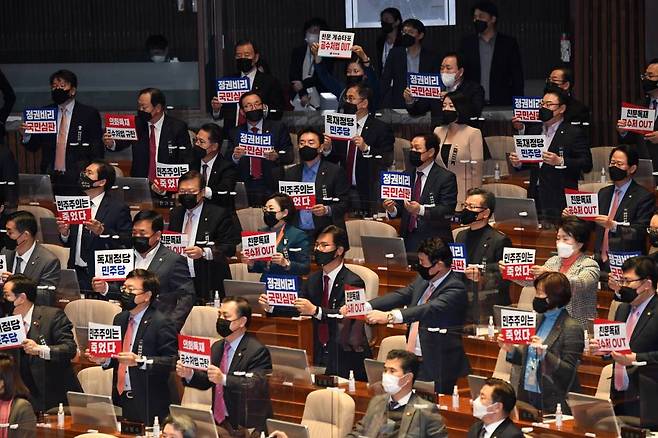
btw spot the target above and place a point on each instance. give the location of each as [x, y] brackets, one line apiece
[156, 428]
[455, 397]
[217, 303]
[586, 337]
[497, 172]
[491, 328]
[351, 384]
[604, 179]
[558, 415]
[60, 416]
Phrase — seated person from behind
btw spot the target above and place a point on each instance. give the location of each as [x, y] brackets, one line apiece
[15, 407]
[180, 426]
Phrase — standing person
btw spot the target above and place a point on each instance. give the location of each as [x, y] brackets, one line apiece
[391, 33]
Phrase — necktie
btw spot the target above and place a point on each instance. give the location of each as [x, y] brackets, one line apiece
[204, 172]
[621, 377]
[19, 265]
[323, 328]
[413, 331]
[127, 346]
[415, 196]
[654, 104]
[482, 433]
[219, 408]
[351, 158]
[255, 163]
[611, 215]
[60, 151]
[153, 155]
[189, 226]
[393, 405]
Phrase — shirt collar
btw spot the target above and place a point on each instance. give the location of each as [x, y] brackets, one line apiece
[235, 342]
[96, 200]
[28, 316]
[196, 210]
[334, 273]
[259, 125]
[158, 124]
[362, 121]
[69, 107]
[553, 313]
[403, 401]
[27, 254]
[643, 305]
[439, 280]
[251, 75]
[210, 162]
[313, 168]
[137, 319]
[624, 187]
[150, 254]
[490, 428]
[426, 170]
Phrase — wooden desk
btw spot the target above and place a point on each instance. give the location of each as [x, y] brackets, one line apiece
[284, 332]
[70, 429]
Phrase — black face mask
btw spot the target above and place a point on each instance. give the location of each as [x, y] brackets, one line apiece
[143, 116]
[627, 294]
[188, 201]
[349, 108]
[10, 243]
[449, 116]
[243, 64]
[85, 182]
[648, 85]
[467, 217]
[479, 26]
[140, 243]
[269, 217]
[551, 87]
[127, 301]
[653, 238]
[617, 174]
[353, 80]
[545, 114]
[407, 40]
[254, 115]
[423, 271]
[540, 305]
[415, 159]
[199, 152]
[307, 153]
[324, 258]
[223, 327]
[8, 307]
[59, 95]
[387, 27]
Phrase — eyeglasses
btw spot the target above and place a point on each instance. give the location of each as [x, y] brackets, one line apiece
[323, 245]
[127, 290]
[188, 192]
[651, 230]
[625, 282]
[649, 76]
[473, 207]
[548, 104]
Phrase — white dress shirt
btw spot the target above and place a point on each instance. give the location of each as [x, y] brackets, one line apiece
[95, 203]
[489, 429]
[207, 191]
[25, 258]
[145, 262]
[332, 279]
[158, 131]
[207, 252]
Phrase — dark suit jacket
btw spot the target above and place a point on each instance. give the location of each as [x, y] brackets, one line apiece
[558, 369]
[440, 199]
[174, 136]
[217, 225]
[379, 136]
[506, 429]
[378, 55]
[242, 395]
[84, 127]
[641, 396]
[636, 207]
[8, 172]
[506, 77]
[295, 247]
[49, 380]
[645, 148]
[272, 170]
[296, 73]
[8, 101]
[444, 359]
[22, 414]
[43, 267]
[394, 76]
[576, 112]
[488, 251]
[222, 179]
[552, 182]
[330, 182]
[473, 91]
[156, 339]
[270, 92]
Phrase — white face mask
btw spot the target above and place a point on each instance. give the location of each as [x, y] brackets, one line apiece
[312, 38]
[391, 383]
[448, 79]
[564, 250]
[158, 58]
[479, 410]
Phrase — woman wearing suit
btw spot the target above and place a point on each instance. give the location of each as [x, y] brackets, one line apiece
[292, 256]
[460, 143]
[14, 406]
[546, 370]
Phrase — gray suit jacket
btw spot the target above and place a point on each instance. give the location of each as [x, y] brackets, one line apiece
[412, 419]
[42, 267]
[22, 414]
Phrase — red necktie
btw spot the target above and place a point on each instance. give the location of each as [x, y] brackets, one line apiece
[127, 346]
[153, 155]
[413, 219]
[255, 163]
[219, 408]
[611, 215]
[323, 329]
[351, 157]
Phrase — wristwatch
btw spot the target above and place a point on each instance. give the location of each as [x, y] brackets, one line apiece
[390, 318]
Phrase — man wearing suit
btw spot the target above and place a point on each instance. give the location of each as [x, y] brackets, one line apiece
[78, 139]
[491, 58]
[176, 297]
[45, 358]
[109, 217]
[339, 345]
[567, 158]
[492, 408]
[260, 175]
[435, 299]
[452, 77]
[267, 86]
[142, 389]
[634, 389]
[220, 174]
[400, 412]
[562, 78]
[331, 186]
[411, 57]
[26, 256]
[484, 247]
[237, 353]
[160, 138]
[212, 236]
[433, 197]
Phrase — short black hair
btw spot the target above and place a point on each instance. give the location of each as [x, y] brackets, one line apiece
[339, 235]
[457, 56]
[395, 12]
[22, 284]
[215, 132]
[192, 175]
[244, 308]
[567, 74]
[462, 105]
[11, 377]
[632, 156]
[65, 75]
[486, 6]
[157, 96]
[155, 218]
[436, 251]
[503, 392]
[644, 267]
[431, 141]
[285, 203]
[183, 424]
[315, 21]
[244, 42]
[562, 97]
[24, 221]
[250, 93]
[652, 61]
[556, 286]
[107, 172]
[150, 282]
[415, 23]
[363, 90]
[311, 130]
[576, 228]
[156, 42]
[489, 197]
[409, 361]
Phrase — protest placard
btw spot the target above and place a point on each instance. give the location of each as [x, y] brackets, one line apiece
[582, 204]
[194, 352]
[104, 340]
[229, 90]
[121, 126]
[395, 186]
[517, 263]
[258, 245]
[113, 264]
[281, 290]
[40, 120]
[517, 326]
[340, 126]
[526, 109]
[424, 85]
[333, 44]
